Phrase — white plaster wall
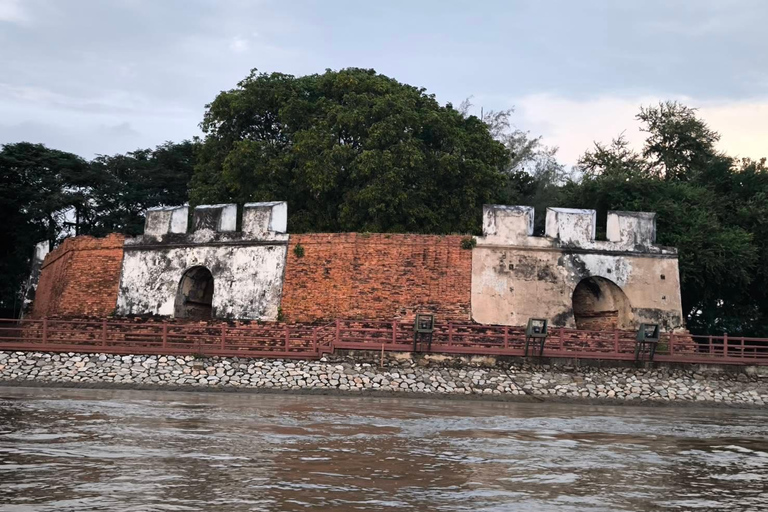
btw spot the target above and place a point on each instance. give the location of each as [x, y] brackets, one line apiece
[512, 284]
[248, 280]
[30, 286]
[162, 220]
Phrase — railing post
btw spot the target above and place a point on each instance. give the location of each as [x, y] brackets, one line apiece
[394, 332]
[562, 338]
[287, 339]
[45, 331]
[725, 339]
[506, 337]
[725, 346]
[165, 335]
[671, 343]
[223, 336]
[104, 333]
[338, 330]
[314, 340]
[616, 341]
[450, 333]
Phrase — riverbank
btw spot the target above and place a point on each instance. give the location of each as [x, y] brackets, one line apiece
[406, 377]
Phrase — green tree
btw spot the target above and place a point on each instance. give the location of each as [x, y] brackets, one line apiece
[533, 175]
[38, 186]
[680, 146]
[46, 194]
[123, 186]
[350, 150]
[709, 206]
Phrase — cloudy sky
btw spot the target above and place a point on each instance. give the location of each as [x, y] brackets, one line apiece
[107, 76]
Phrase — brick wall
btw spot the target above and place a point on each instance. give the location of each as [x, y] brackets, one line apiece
[600, 321]
[378, 276]
[80, 278]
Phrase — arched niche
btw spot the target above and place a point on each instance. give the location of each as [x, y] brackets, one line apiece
[195, 296]
[600, 304]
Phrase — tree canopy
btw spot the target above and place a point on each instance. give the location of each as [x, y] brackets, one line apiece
[124, 186]
[37, 185]
[350, 150]
[710, 206]
[46, 195]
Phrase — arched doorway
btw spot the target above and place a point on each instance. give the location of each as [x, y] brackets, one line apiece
[599, 304]
[195, 295]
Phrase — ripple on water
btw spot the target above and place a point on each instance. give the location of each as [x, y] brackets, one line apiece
[136, 451]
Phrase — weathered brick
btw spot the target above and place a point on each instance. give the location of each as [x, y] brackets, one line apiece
[80, 278]
[377, 276]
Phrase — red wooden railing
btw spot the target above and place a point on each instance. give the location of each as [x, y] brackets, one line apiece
[282, 340]
[108, 336]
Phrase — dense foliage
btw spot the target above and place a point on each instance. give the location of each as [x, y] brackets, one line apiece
[36, 187]
[349, 150]
[710, 206]
[124, 186]
[357, 151]
[47, 194]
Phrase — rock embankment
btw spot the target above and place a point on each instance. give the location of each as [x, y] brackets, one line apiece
[346, 375]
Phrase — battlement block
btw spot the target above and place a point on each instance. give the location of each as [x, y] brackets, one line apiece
[507, 223]
[571, 226]
[631, 229]
[162, 220]
[266, 217]
[215, 217]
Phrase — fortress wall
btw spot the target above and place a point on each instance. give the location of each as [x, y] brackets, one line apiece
[80, 278]
[376, 276]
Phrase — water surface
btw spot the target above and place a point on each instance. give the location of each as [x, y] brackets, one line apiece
[84, 450]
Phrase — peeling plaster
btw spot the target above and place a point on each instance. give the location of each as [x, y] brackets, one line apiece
[615, 268]
[516, 276]
[247, 281]
[247, 267]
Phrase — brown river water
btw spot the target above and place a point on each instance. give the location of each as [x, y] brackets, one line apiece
[116, 450]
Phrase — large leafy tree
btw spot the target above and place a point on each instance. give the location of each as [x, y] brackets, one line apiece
[38, 186]
[123, 186]
[710, 206]
[533, 175]
[46, 195]
[350, 150]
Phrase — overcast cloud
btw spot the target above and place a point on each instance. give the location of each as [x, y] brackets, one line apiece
[98, 76]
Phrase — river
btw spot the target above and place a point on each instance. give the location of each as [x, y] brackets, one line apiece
[117, 450]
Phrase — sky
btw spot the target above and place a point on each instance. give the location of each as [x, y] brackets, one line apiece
[110, 76]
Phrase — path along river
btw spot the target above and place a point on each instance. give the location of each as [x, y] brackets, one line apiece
[116, 450]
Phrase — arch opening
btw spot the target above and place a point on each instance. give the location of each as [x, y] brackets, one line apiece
[195, 296]
[600, 304]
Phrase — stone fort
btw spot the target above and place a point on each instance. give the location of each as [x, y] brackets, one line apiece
[230, 263]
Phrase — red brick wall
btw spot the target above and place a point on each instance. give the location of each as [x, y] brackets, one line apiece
[378, 276]
[80, 278]
[601, 321]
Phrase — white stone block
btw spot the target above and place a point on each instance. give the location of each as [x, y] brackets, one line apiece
[267, 217]
[510, 224]
[631, 229]
[571, 226]
[216, 217]
[228, 219]
[179, 219]
[162, 220]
